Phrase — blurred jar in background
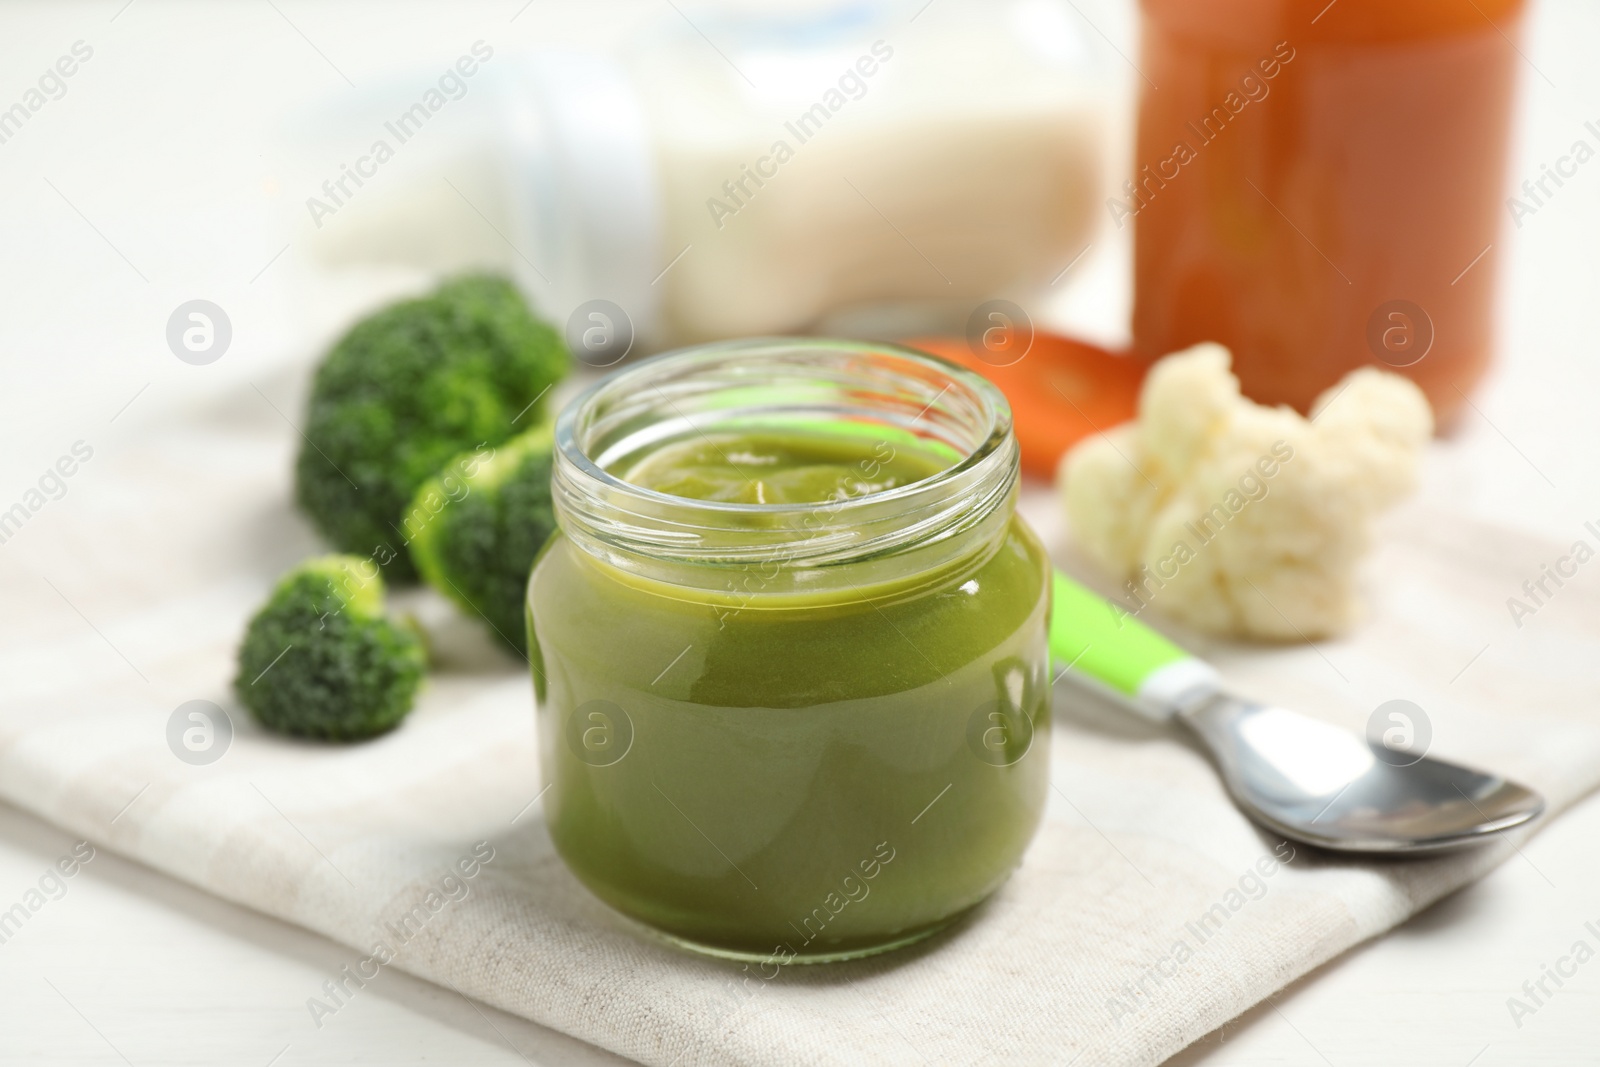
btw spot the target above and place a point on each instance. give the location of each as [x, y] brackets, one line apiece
[1320, 185]
[835, 167]
[873, 167]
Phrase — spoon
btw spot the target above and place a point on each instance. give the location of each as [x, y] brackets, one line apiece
[1293, 774]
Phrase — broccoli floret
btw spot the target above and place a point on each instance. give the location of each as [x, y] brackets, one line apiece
[321, 660]
[406, 389]
[478, 526]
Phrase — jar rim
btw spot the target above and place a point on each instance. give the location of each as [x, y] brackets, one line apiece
[606, 513]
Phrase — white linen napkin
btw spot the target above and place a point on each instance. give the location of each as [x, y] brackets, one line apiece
[1147, 912]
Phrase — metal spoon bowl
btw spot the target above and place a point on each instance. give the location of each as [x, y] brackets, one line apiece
[1325, 786]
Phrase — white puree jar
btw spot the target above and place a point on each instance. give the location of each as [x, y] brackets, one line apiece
[868, 167]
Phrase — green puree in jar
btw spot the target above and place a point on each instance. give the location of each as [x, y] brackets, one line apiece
[789, 764]
[777, 468]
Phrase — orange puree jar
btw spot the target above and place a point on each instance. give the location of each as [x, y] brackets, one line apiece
[1319, 187]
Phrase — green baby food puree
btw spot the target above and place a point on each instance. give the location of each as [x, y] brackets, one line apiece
[800, 769]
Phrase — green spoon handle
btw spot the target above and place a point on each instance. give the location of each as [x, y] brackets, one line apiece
[1104, 643]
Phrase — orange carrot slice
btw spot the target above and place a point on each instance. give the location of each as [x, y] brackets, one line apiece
[1060, 391]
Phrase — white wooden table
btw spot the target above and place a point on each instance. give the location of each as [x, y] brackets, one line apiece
[158, 177]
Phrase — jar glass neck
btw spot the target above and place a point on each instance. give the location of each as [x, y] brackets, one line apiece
[882, 397]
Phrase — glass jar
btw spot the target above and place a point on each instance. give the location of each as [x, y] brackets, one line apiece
[653, 188]
[1320, 186]
[792, 731]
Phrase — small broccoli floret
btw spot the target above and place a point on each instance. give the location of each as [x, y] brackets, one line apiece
[321, 660]
[478, 526]
[406, 389]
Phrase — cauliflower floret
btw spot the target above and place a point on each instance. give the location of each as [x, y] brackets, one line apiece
[1185, 403]
[1115, 498]
[1376, 424]
[1241, 519]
